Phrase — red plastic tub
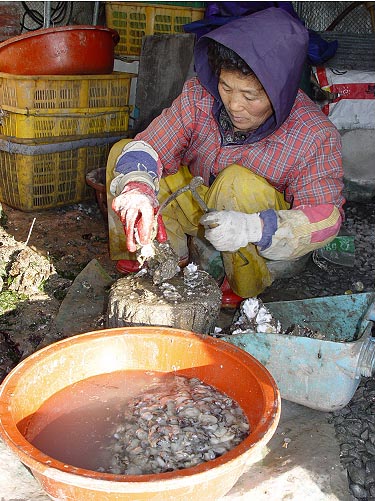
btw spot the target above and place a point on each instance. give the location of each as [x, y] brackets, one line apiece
[223, 365]
[65, 50]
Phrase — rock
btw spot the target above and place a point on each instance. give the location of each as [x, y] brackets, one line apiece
[370, 448]
[28, 272]
[371, 490]
[358, 491]
[357, 475]
[85, 302]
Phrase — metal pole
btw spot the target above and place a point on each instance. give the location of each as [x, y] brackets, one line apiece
[46, 14]
[95, 14]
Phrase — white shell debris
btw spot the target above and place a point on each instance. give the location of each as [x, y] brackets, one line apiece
[190, 268]
[142, 272]
[145, 253]
[192, 276]
[286, 442]
[256, 317]
[148, 251]
[170, 292]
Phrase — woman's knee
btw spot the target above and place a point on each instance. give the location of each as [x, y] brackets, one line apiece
[238, 188]
[241, 178]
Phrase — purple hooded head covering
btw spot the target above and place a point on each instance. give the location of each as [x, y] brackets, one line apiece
[274, 45]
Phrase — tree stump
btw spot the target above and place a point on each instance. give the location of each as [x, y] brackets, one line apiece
[189, 302]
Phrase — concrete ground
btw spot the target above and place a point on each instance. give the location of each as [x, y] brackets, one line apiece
[301, 461]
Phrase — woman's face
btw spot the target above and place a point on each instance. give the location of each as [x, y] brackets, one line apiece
[245, 100]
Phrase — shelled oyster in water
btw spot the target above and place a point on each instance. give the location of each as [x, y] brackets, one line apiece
[177, 423]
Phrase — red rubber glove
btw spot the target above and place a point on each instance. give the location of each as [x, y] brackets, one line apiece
[135, 208]
[161, 235]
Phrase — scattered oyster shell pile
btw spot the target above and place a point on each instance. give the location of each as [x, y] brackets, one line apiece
[255, 316]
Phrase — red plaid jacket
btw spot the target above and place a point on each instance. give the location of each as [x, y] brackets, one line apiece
[301, 159]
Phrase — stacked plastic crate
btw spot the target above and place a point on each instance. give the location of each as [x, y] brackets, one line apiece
[134, 20]
[55, 129]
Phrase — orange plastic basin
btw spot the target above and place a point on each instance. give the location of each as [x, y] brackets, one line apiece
[223, 365]
[65, 50]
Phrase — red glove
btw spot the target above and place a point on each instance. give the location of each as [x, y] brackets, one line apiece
[161, 235]
[135, 207]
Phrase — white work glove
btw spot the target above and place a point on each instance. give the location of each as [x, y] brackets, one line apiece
[230, 230]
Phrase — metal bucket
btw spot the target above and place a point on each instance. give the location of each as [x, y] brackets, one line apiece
[322, 374]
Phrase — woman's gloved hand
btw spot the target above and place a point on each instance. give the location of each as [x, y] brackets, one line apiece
[231, 230]
[135, 208]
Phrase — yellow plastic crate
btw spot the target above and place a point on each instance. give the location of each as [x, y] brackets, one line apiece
[133, 20]
[47, 180]
[43, 125]
[46, 92]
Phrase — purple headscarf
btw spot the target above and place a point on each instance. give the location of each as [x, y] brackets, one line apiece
[274, 45]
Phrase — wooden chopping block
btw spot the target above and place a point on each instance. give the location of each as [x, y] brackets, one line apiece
[138, 301]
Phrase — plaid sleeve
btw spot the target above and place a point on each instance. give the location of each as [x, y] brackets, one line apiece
[161, 147]
[318, 177]
[170, 133]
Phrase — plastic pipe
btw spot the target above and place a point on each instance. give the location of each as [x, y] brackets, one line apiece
[40, 149]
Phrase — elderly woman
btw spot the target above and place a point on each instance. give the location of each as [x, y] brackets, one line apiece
[270, 159]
